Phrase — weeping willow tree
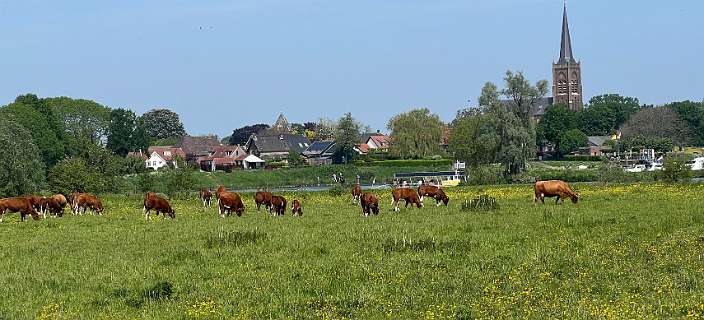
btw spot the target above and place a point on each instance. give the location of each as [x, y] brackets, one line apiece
[415, 134]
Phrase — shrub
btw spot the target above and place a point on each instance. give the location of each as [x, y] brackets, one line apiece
[179, 181]
[145, 182]
[485, 175]
[674, 169]
[481, 203]
[70, 175]
[337, 190]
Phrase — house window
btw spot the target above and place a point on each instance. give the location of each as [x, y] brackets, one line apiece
[167, 153]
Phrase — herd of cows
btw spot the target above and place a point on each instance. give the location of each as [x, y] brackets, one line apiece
[231, 202]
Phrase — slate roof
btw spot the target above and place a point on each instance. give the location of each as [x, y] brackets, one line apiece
[598, 141]
[280, 143]
[320, 148]
[198, 146]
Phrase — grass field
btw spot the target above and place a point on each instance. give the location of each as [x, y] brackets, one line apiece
[625, 251]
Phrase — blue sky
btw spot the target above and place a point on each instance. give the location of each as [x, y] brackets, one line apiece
[224, 64]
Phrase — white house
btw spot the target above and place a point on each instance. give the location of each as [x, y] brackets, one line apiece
[160, 157]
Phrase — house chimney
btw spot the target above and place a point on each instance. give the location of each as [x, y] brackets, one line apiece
[378, 131]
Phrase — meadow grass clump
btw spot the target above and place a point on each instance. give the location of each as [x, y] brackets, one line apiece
[481, 203]
[233, 238]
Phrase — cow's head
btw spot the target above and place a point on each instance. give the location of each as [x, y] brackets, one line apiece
[574, 197]
[99, 207]
[374, 208]
[445, 199]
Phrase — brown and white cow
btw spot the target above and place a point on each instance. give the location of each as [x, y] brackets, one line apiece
[152, 201]
[73, 201]
[205, 196]
[263, 198]
[21, 204]
[278, 205]
[88, 201]
[554, 188]
[52, 206]
[229, 202]
[296, 208]
[434, 192]
[356, 193]
[409, 195]
[370, 204]
[36, 202]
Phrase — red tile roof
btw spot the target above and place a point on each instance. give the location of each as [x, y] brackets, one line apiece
[363, 147]
[172, 151]
[381, 140]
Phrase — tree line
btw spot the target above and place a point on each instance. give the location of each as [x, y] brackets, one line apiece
[67, 145]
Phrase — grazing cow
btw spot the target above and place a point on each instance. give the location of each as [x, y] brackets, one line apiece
[205, 196]
[36, 202]
[88, 201]
[370, 204]
[356, 193]
[434, 192]
[263, 198]
[278, 204]
[22, 205]
[52, 206]
[73, 201]
[296, 209]
[406, 194]
[229, 202]
[61, 200]
[153, 202]
[554, 188]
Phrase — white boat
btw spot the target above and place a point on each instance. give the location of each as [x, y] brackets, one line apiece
[696, 164]
[636, 168]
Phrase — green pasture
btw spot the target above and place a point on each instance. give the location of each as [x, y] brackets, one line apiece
[624, 251]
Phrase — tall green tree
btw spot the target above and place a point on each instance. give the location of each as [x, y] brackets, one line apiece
[39, 121]
[521, 95]
[556, 120]
[21, 168]
[621, 107]
[123, 125]
[598, 120]
[415, 134]
[163, 124]
[475, 138]
[515, 125]
[572, 140]
[240, 136]
[85, 122]
[347, 135]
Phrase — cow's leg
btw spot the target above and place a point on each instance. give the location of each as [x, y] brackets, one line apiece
[437, 202]
[2, 215]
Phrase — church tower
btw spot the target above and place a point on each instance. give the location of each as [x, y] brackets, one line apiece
[567, 72]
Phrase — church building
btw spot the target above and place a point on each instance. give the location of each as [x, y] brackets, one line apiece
[567, 73]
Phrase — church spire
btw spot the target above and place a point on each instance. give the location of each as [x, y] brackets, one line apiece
[566, 46]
